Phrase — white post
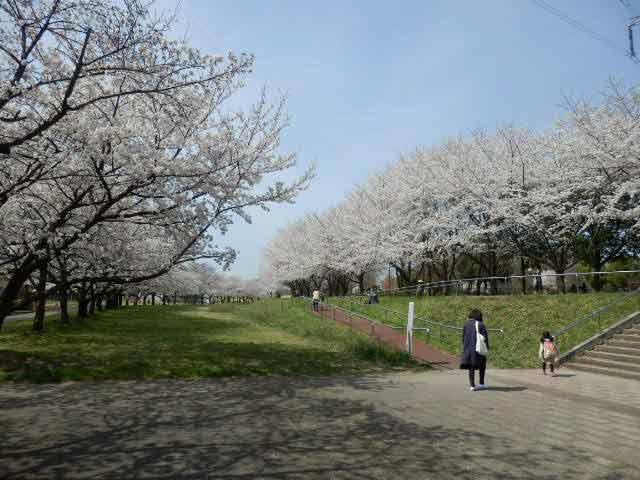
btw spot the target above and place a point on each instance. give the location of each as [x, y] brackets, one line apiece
[410, 329]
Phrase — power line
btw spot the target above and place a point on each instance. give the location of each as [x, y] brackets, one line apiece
[629, 5]
[580, 26]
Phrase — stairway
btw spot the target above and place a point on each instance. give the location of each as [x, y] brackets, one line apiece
[618, 356]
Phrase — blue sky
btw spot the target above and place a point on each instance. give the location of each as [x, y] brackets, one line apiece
[369, 80]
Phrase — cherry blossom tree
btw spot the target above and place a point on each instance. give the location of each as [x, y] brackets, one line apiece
[492, 200]
[127, 148]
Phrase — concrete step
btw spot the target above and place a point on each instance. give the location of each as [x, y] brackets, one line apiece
[632, 331]
[584, 367]
[614, 357]
[615, 342]
[627, 337]
[618, 350]
[598, 362]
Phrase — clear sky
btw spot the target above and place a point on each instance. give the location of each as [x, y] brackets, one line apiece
[368, 80]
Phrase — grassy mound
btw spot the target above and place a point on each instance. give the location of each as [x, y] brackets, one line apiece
[522, 317]
[265, 338]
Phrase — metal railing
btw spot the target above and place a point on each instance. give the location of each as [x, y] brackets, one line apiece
[387, 311]
[351, 312]
[595, 314]
[422, 319]
[507, 279]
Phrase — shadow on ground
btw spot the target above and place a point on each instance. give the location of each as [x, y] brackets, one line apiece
[506, 389]
[277, 428]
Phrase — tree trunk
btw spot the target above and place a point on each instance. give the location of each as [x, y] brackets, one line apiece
[560, 283]
[523, 273]
[41, 292]
[110, 302]
[597, 282]
[64, 304]
[83, 304]
[10, 293]
[493, 265]
[92, 301]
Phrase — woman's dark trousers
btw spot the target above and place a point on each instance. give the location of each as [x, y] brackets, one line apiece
[472, 375]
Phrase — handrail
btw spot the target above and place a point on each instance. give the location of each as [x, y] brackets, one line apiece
[589, 316]
[395, 327]
[455, 327]
[358, 314]
[444, 283]
[431, 322]
[374, 306]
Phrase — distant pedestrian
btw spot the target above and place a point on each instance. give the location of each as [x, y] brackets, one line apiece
[539, 281]
[371, 296]
[548, 352]
[420, 291]
[316, 300]
[475, 341]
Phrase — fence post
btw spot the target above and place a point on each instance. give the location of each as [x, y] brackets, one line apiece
[410, 328]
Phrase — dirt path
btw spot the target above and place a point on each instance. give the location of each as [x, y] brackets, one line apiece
[395, 337]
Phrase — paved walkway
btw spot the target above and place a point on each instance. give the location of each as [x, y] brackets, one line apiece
[30, 315]
[395, 337]
[396, 426]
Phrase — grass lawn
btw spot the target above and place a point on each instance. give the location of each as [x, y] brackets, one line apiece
[522, 317]
[184, 341]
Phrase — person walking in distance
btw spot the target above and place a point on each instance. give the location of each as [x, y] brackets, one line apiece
[475, 341]
[316, 300]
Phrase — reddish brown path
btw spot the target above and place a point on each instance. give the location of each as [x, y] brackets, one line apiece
[395, 337]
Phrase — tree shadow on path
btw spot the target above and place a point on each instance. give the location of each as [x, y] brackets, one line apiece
[274, 427]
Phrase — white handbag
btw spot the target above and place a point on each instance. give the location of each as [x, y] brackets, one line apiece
[481, 343]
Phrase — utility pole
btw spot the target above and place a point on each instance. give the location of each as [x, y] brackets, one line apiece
[634, 22]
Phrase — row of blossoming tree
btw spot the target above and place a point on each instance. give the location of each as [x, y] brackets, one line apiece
[486, 204]
[194, 283]
[119, 160]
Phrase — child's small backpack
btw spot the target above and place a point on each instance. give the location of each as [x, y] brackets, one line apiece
[549, 349]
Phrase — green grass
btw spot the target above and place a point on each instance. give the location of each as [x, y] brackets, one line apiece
[522, 317]
[265, 338]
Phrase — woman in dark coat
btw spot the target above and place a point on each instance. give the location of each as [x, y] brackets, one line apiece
[472, 360]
